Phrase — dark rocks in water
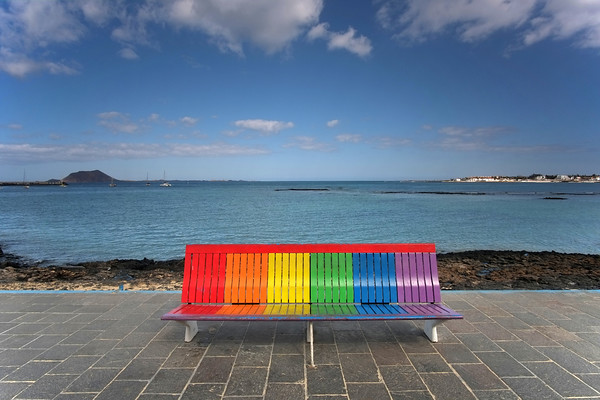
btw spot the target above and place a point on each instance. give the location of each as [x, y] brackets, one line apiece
[95, 176]
[303, 190]
[554, 198]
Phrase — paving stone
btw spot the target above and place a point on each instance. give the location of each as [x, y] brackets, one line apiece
[323, 332]
[287, 368]
[260, 332]
[31, 371]
[456, 353]
[503, 364]
[412, 395]
[18, 357]
[532, 319]
[140, 369]
[593, 380]
[359, 368]
[531, 388]
[367, 391]
[75, 396]
[479, 377]
[494, 331]
[521, 351]
[224, 348]
[203, 392]
[47, 387]
[377, 331]
[44, 342]
[429, 363]
[496, 395]
[80, 337]
[289, 344]
[122, 390]
[561, 381]
[232, 330]
[446, 386]
[158, 349]
[9, 389]
[169, 381]
[97, 347]
[534, 338]
[16, 341]
[386, 353]
[247, 381]
[569, 360]
[213, 370]
[512, 323]
[325, 379]
[399, 380]
[27, 328]
[351, 342]
[287, 391]
[584, 349]
[118, 358]
[93, 380]
[254, 355]
[184, 357]
[477, 342]
[290, 327]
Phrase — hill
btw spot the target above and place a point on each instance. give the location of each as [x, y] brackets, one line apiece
[95, 176]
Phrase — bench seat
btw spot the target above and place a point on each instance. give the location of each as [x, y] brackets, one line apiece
[311, 282]
[305, 312]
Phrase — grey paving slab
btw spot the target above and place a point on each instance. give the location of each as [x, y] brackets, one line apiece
[511, 345]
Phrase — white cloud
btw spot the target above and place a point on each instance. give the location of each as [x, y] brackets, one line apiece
[28, 28]
[16, 127]
[308, 143]
[349, 137]
[117, 122]
[386, 142]
[269, 25]
[154, 117]
[531, 20]
[33, 153]
[266, 127]
[473, 139]
[562, 19]
[189, 121]
[128, 53]
[359, 45]
[418, 20]
[332, 123]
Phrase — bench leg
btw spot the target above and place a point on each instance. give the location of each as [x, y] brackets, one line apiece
[191, 328]
[431, 329]
[309, 338]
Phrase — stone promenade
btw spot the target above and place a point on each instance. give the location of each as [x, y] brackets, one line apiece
[529, 345]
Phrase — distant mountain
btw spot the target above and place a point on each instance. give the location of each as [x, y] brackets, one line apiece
[87, 177]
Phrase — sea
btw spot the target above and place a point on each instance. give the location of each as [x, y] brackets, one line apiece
[95, 222]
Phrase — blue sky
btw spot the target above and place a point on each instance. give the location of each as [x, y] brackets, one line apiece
[299, 89]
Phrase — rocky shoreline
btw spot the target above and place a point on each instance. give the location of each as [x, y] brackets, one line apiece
[471, 270]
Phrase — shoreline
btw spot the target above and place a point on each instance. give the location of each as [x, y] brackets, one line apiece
[466, 270]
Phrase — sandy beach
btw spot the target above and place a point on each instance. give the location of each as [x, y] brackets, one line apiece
[483, 269]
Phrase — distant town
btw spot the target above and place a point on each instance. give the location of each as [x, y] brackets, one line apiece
[532, 178]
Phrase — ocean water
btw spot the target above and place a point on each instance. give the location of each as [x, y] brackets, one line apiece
[88, 222]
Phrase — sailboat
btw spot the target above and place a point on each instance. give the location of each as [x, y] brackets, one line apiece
[112, 182]
[165, 183]
[147, 181]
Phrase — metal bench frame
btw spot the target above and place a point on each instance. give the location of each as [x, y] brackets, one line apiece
[311, 282]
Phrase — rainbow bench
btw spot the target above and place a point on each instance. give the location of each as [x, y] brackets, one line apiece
[311, 282]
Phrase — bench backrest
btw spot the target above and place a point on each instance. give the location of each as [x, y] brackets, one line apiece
[311, 273]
